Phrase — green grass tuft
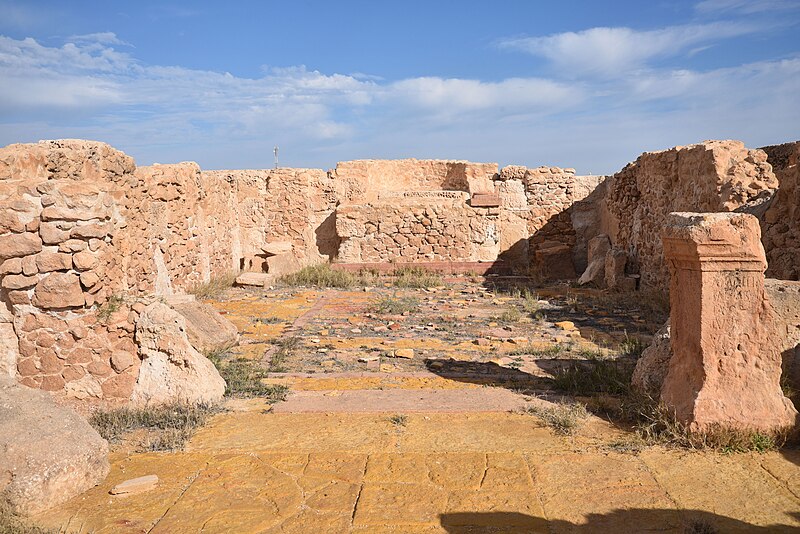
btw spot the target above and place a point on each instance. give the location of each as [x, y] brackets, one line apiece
[594, 376]
[417, 278]
[214, 287]
[394, 305]
[244, 378]
[321, 275]
[563, 418]
[109, 308]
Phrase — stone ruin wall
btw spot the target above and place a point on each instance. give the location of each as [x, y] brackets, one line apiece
[526, 224]
[780, 225]
[64, 216]
[80, 224]
[714, 176]
[281, 205]
[365, 180]
[417, 230]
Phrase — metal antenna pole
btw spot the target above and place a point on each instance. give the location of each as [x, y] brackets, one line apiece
[275, 151]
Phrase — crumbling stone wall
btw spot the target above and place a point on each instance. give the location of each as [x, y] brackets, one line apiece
[526, 220]
[60, 219]
[279, 205]
[417, 229]
[713, 176]
[177, 228]
[780, 225]
[550, 192]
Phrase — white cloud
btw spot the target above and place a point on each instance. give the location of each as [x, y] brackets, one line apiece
[745, 6]
[611, 52]
[106, 38]
[87, 89]
[450, 96]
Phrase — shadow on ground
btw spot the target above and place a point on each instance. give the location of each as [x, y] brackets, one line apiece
[618, 522]
[485, 373]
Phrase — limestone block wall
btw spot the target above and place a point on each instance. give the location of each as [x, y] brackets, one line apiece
[279, 205]
[714, 176]
[780, 225]
[60, 209]
[421, 229]
[529, 228]
[173, 235]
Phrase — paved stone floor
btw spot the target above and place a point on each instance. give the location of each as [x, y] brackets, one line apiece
[401, 445]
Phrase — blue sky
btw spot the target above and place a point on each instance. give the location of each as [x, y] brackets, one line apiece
[588, 84]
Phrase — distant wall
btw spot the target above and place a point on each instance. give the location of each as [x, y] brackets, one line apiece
[365, 180]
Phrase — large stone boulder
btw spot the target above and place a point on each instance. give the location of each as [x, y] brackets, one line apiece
[48, 453]
[648, 377]
[205, 327]
[172, 369]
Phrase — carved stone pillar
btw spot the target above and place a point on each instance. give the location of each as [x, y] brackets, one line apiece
[725, 368]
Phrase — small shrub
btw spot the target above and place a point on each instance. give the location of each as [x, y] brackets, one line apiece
[399, 420]
[549, 352]
[109, 308]
[511, 315]
[168, 426]
[320, 275]
[563, 418]
[243, 377]
[594, 376]
[267, 320]
[417, 278]
[394, 305]
[530, 303]
[699, 526]
[215, 286]
[286, 347]
[631, 347]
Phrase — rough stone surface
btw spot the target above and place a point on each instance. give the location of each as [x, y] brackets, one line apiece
[651, 368]
[713, 176]
[726, 364]
[58, 290]
[205, 327]
[784, 298]
[779, 225]
[172, 370]
[48, 454]
[595, 273]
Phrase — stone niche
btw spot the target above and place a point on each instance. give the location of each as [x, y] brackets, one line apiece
[726, 364]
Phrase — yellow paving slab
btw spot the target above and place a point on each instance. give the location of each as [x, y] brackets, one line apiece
[485, 432]
[237, 490]
[580, 489]
[785, 467]
[257, 431]
[99, 511]
[734, 486]
[399, 504]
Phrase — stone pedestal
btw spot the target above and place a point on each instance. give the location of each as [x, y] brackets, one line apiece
[725, 368]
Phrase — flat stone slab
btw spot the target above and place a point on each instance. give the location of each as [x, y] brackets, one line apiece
[253, 279]
[135, 485]
[402, 400]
